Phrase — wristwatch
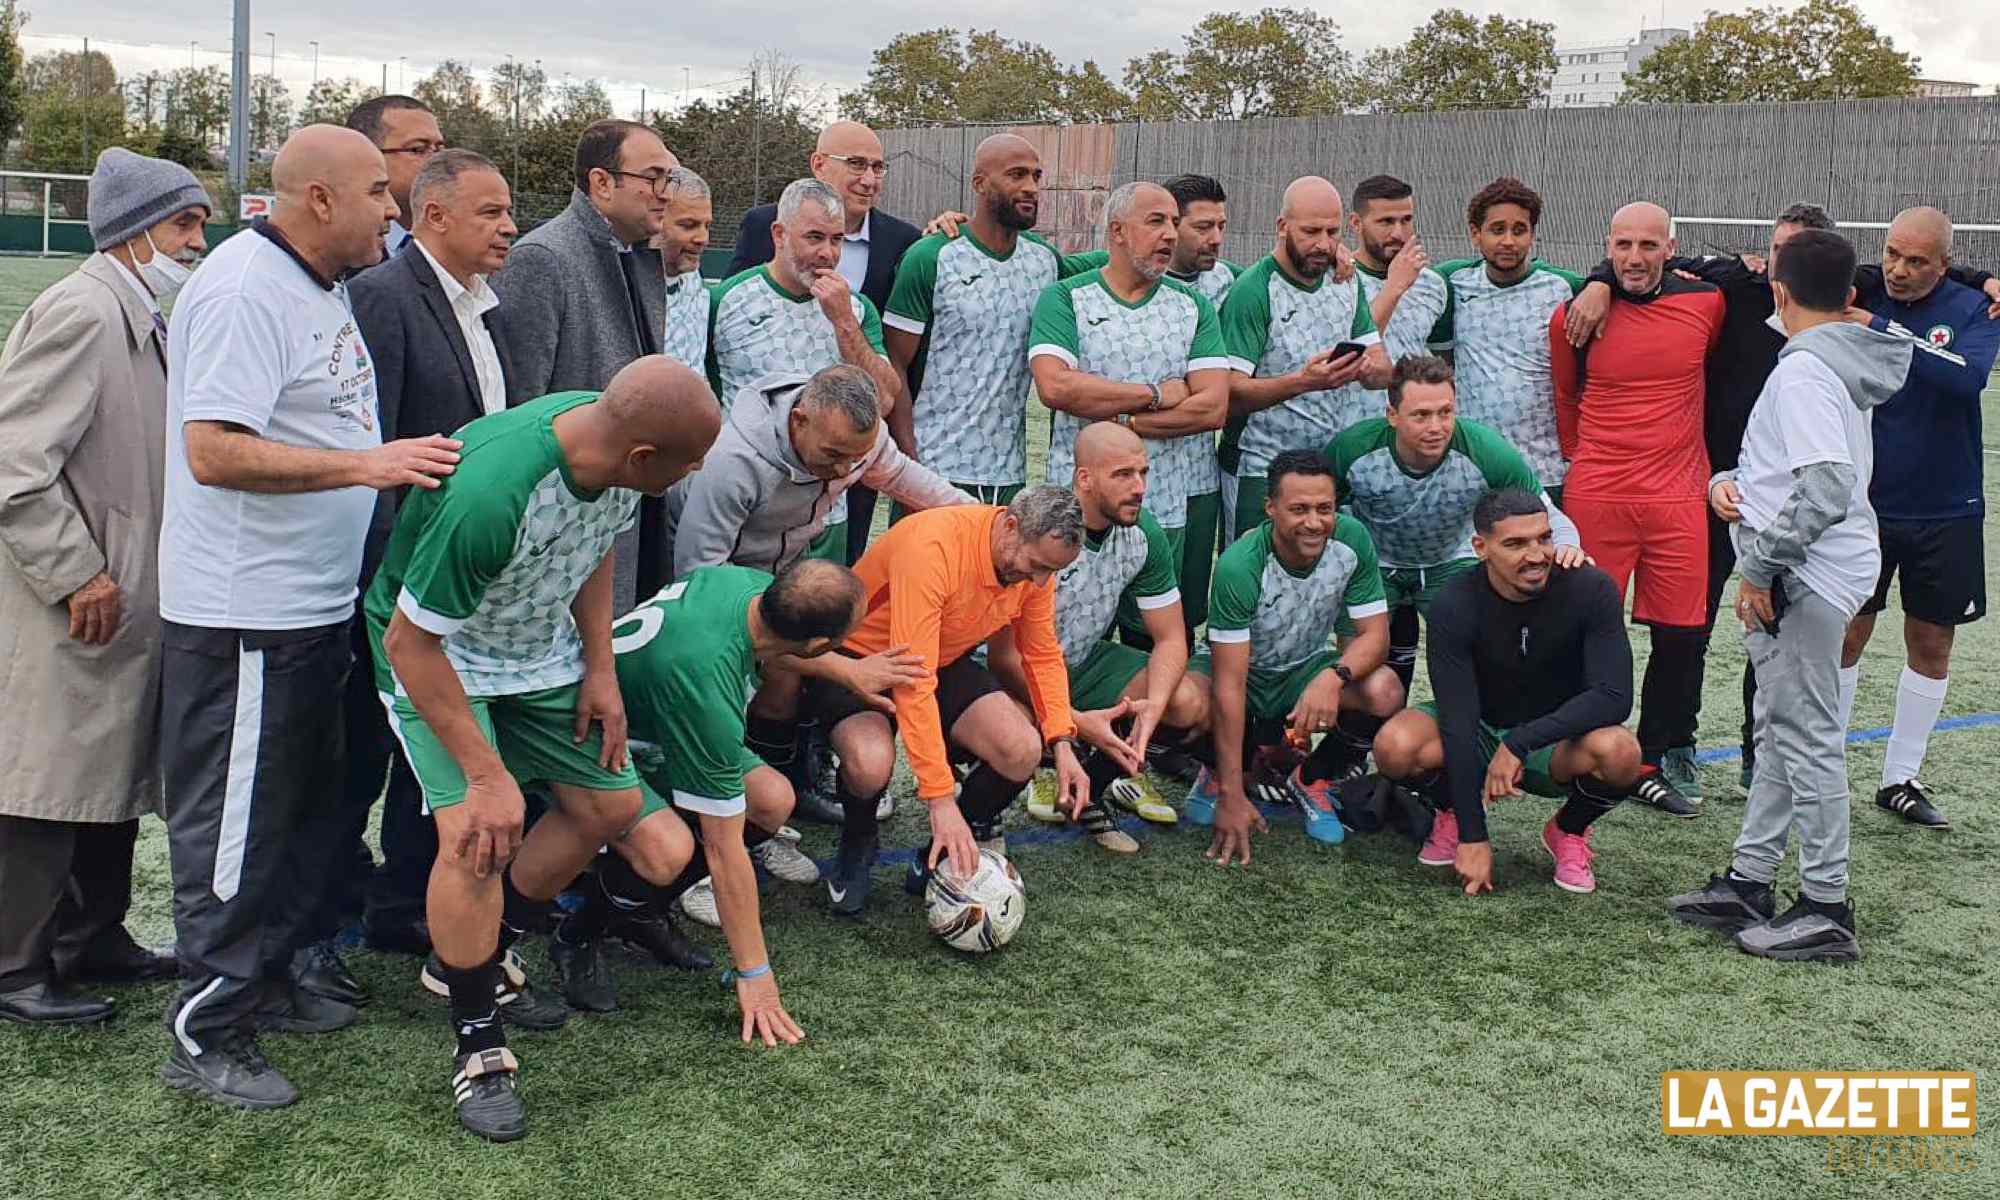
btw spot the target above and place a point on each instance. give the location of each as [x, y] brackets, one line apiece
[1153, 405]
[1346, 676]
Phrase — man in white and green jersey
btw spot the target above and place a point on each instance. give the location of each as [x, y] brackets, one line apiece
[1122, 343]
[796, 314]
[1289, 388]
[1414, 477]
[957, 328]
[1405, 298]
[1279, 590]
[688, 660]
[683, 236]
[490, 618]
[1497, 324]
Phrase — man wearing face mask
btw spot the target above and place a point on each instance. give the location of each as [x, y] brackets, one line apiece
[83, 397]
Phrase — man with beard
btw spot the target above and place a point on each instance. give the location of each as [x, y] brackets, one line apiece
[683, 236]
[957, 329]
[1124, 343]
[1532, 679]
[1291, 386]
[1405, 298]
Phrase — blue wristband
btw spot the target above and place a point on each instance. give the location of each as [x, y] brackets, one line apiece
[732, 975]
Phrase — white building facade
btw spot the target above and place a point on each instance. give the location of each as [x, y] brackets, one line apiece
[1591, 75]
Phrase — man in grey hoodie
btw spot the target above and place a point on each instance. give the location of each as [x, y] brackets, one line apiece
[790, 449]
[1808, 553]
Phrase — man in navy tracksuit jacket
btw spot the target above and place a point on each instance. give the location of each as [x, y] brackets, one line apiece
[1928, 488]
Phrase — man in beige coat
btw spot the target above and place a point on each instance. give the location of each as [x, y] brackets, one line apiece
[83, 397]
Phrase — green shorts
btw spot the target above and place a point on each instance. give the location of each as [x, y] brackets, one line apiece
[1104, 674]
[982, 493]
[533, 732]
[1131, 622]
[1416, 587]
[1536, 776]
[1204, 514]
[1250, 493]
[831, 544]
[1272, 694]
[655, 785]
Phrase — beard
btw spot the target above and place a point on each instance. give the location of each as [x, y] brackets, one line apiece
[1150, 270]
[1381, 252]
[1312, 267]
[1007, 216]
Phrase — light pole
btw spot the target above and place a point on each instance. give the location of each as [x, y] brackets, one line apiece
[514, 82]
[315, 46]
[191, 46]
[401, 84]
[273, 69]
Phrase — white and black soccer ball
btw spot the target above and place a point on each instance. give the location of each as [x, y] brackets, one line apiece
[977, 914]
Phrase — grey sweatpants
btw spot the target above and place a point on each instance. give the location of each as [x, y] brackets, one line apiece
[1801, 777]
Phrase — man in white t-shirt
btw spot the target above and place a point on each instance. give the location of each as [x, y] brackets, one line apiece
[274, 456]
[1808, 554]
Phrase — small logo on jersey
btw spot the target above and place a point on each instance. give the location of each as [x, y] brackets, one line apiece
[1524, 641]
[1286, 319]
[547, 544]
[1939, 336]
[759, 319]
[971, 279]
[1095, 320]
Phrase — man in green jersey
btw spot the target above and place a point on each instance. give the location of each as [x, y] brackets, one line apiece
[1290, 385]
[491, 617]
[688, 660]
[1414, 477]
[1123, 343]
[796, 315]
[1405, 297]
[682, 238]
[1279, 591]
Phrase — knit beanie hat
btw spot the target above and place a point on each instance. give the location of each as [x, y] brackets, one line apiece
[130, 193]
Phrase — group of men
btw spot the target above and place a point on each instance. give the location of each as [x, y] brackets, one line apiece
[563, 552]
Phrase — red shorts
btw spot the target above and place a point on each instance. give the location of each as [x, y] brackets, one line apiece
[1663, 544]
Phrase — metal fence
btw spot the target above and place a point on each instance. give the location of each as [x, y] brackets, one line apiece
[1864, 160]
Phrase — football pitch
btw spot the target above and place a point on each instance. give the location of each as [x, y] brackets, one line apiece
[1329, 1021]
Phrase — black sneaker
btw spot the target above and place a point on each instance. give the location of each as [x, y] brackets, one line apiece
[1653, 789]
[289, 1008]
[852, 875]
[1727, 904]
[1171, 762]
[318, 969]
[520, 1005]
[1806, 932]
[1910, 801]
[229, 1070]
[483, 1092]
[653, 933]
[581, 976]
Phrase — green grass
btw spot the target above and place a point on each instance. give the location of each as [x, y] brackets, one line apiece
[23, 279]
[1324, 1022]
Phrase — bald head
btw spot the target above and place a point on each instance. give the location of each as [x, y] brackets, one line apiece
[657, 419]
[812, 604]
[1311, 196]
[1642, 216]
[848, 137]
[334, 205]
[1000, 148]
[1923, 226]
[844, 159]
[322, 154]
[1308, 227]
[1110, 480]
[1916, 253]
[1103, 441]
[1639, 244]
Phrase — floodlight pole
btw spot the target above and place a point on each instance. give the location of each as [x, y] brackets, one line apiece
[239, 99]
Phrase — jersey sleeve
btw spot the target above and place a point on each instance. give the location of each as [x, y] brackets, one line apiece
[1237, 586]
[1365, 596]
[1052, 331]
[1444, 333]
[465, 545]
[1362, 328]
[1574, 280]
[1345, 449]
[1158, 583]
[871, 324]
[1076, 264]
[909, 307]
[1499, 461]
[235, 361]
[715, 296]
[1246, 323]
[1207, 352]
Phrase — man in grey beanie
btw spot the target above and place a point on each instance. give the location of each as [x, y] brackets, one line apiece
[83, 397]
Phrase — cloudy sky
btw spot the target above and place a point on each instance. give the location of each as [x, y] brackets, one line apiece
[664, 45]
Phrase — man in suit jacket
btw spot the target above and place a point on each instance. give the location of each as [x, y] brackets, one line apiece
[426, 318]
[83, 403]
[848, 158]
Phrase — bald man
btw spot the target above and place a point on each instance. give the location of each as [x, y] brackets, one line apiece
[1302, 351]
[274, 455]
[491, 617]
[1928, 489]
[849, 159]
[1631, 426]
[1122, 696]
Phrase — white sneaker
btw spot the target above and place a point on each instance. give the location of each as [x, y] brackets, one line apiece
[885, 807]
[698, 902]
[997, 844]
[782, 857]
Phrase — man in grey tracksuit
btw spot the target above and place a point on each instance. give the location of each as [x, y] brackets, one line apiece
[788, 452]
[1808, 553]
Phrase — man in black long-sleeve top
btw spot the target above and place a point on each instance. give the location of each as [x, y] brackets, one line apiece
[1533, 682]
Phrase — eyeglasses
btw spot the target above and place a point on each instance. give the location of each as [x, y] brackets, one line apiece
[658, 181]
[415, 149]
[860, 165]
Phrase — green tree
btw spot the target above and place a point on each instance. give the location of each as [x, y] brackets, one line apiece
[1275, 62]
[453, 93]
[270, 112]
[529, 81]
[1088, 95]
[941, 76]
[1824, 50]
[911, 81]
[198, 105]
[330, 100]
[12, 66]
[73, 110]
[1456, 61]
[747, 151]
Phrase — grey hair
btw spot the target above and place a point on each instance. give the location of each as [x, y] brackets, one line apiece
[1118, 205]
[1048, 511]
[846, 389]
[442, 170]
[801, 192]
[684, 184]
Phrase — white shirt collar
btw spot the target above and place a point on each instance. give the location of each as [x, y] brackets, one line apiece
[138, 285]
[483, 297]
[861, 234]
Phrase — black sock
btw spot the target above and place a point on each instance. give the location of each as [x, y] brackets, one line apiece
[519, 914]
[1588, 800]
[616, 891]
[1103, 773]
[695, 871]
[985, 795]
[773, 739]
[861, 823]
[475, 1012]
[1404, 633]
[1344, 746]
[1743, 883]
[754, 835]
[1429, 786]
[1840, 910]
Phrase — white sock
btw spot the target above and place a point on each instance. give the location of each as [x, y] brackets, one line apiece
[1919, 699]
[1850, 682]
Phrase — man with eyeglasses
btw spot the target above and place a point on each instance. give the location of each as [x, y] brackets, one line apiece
[406, 132]
[848, 158]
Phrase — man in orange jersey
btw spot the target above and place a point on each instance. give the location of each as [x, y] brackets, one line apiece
[940, 583]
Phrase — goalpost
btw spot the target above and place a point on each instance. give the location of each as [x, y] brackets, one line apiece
[48, 181]
[1677, 225]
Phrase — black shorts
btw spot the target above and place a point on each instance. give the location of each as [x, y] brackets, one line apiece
[1943, 564]
[961, 684]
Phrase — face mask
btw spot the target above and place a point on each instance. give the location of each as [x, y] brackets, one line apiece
[162, 274]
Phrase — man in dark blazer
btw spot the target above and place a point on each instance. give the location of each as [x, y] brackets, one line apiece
[848, 158]
[424, 315]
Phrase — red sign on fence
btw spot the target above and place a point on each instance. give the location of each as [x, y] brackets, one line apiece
[250, 205]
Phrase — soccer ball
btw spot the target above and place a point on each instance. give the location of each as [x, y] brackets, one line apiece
[980, 913]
